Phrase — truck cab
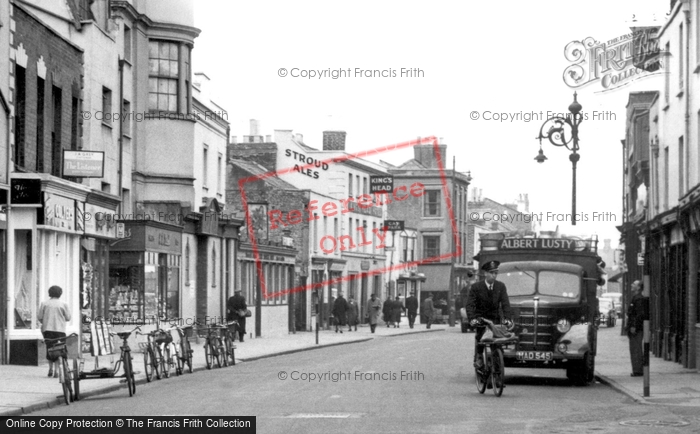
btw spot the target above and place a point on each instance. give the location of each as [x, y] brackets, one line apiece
[551, 284]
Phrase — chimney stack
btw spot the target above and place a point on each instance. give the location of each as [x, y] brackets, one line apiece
[425, 155]
[254, 127]
[334, 140]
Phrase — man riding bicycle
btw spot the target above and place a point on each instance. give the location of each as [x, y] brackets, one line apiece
[484, 300]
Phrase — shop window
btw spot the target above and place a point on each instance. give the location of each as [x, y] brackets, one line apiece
[23, 278]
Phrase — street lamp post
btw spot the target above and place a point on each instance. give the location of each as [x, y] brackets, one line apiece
[556, 134]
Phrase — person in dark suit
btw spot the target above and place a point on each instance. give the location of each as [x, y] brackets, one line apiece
[484, 300]
[636, 314]
[411, 309]
[236, 307]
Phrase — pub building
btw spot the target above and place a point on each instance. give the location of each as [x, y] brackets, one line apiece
[44, 241]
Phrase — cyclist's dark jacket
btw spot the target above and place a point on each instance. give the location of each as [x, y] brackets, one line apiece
[484, 303]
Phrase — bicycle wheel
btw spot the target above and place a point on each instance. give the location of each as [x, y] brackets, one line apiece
[216, 346]
[158, 361]
[187, 352]
[230, 354]
[223, 353]
[65, 378]
[481, 377]
[497, 371]
[76, 380]
[165, 360]
[208, 354]
[179, 363]
[129, 373]
[148, 363]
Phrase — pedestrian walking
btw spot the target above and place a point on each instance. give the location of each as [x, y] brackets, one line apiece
[427, 310]
[340, 308]
[387, 310]
[353, 313]
[397, 308]
[636, 314]
[236, 311]
[411, 309]
[53, 315]
[374, 308]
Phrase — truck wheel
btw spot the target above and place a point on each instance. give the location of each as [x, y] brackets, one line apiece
[583, 372]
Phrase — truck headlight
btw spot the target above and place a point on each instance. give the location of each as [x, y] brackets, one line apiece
[563, 325]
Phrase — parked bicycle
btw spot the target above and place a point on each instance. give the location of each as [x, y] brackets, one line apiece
[182, 351]
[124, 361]
[56, 348]
[155, 359]
[214, 347]
[492, 370]
[229, 330]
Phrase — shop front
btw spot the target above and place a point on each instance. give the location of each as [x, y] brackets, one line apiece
[44, 234]
[99, 232]
[144, 272]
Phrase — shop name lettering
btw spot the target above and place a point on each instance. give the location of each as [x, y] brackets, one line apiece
[329, 243]
[163, 239]
[59, 212]
[298, 156]
[538, 243]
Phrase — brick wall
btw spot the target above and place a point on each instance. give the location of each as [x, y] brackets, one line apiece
[334, 140]
[63, 64]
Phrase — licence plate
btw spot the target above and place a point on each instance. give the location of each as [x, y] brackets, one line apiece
[533, 355]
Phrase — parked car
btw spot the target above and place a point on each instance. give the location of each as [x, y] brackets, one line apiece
[616, 297]
[608, 315]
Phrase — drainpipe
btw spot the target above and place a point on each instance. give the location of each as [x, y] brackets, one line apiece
[693, 245]
[9, 261]
[120, 168]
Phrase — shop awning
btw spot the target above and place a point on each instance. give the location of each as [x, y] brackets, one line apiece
[437, 277]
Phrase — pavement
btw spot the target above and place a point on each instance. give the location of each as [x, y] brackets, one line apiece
[25, 389]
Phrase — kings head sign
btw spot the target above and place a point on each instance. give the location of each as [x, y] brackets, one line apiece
[381, 184]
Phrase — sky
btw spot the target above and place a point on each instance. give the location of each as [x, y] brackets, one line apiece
[476, 61]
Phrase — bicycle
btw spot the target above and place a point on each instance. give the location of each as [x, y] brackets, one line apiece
[492, 369]
[56, 348]
[153, 357]
[183, 351]
[125, 359]
[229, 334]
[214, 347]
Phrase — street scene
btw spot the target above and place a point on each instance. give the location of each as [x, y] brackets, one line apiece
[311, 216]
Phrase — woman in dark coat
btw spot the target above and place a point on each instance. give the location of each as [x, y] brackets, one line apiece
[353, 314]
[396, 312]
[387, 310]
[340, 307]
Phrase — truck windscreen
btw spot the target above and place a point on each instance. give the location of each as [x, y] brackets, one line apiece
[521, 281]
